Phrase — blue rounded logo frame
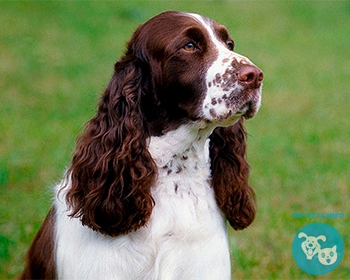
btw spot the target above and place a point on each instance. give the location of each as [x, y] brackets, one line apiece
[318, 248]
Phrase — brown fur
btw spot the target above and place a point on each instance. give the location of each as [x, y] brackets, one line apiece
[230, 172]
[40, 257]
[112, 170]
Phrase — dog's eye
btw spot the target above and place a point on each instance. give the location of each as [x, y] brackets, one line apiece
[230, 45]
[190, 47]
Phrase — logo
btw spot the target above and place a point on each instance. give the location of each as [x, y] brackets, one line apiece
[318, 248]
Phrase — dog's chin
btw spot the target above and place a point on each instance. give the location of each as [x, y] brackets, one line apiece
[223, 120]
[229, 117]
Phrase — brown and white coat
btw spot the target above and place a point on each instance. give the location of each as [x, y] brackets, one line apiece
[161, 166]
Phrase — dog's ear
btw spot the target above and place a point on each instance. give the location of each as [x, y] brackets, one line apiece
[322, 238]
[302, 235]
[230, 172]
[112, 170]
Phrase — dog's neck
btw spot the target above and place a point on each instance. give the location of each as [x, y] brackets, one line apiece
[187, 141]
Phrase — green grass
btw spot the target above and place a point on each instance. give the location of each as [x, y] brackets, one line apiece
[56, 57]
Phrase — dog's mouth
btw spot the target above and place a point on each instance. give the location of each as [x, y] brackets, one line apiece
[248, 110]
[310, 251]
[244, 111]
[250, 107]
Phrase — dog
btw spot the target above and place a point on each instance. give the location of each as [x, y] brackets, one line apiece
[161, 166]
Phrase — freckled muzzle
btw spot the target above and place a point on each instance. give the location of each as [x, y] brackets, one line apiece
[235, 92]
[250, 78]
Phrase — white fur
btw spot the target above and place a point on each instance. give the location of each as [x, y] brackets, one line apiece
[186, 237]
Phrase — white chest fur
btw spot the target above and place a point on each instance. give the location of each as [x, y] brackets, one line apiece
[186, 237]
[189, 227]
[185, 201]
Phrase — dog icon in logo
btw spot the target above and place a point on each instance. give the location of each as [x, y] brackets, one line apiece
[328, 256]
[311, 246]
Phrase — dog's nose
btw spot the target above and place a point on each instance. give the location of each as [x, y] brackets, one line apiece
[250, 76]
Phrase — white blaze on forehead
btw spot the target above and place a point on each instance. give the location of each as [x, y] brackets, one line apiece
[221, 46]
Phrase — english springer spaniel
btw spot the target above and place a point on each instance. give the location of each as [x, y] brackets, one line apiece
[161, 166]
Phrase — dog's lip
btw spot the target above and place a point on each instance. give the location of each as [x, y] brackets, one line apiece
[246, 111]
[250, 108]
[248, 115]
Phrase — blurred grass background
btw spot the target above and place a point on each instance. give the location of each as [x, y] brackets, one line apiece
[56, 57]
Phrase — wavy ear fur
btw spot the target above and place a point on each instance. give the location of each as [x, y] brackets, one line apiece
[112, 170]
[230, 175]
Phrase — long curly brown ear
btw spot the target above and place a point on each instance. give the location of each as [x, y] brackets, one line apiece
[230, 172]
[112, 170]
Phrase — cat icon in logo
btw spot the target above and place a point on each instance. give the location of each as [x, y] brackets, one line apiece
[318, 248]
[311, 246]
[328, 256]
